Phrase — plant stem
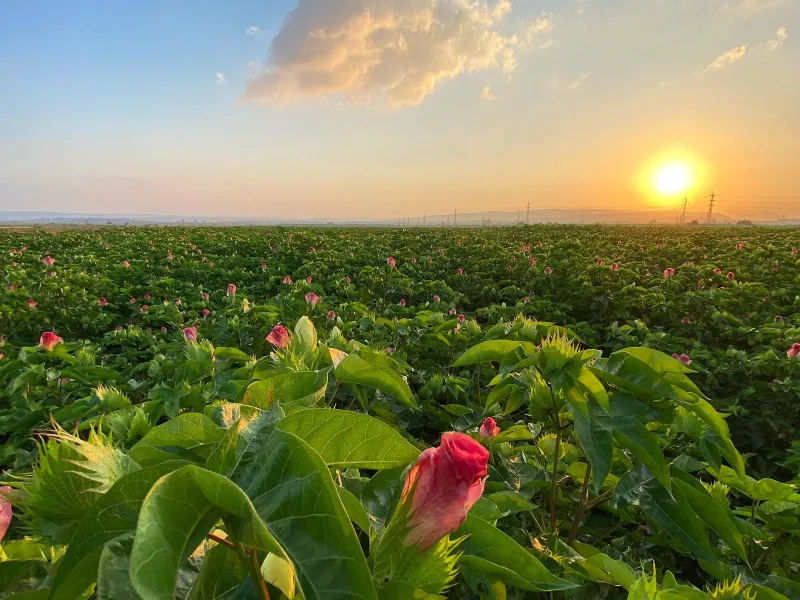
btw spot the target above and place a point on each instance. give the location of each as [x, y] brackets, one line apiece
[255, 571]
[581, 508]
[553, 514]
[220, 540]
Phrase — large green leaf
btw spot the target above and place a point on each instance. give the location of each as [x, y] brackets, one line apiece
[304, 388]
[293, 492]
[223, 571]
[113, 571]
[492, 351]
[631, 434]
[190, 437]
[596, 440]
[250, 430]
[176, 516]
[111, 517]
[357, 371]
[348, 439]
[490, 551]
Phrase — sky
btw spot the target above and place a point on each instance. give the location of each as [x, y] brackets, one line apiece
[389, 108]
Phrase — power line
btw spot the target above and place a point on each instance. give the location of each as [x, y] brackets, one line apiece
[710, 215]
[528, 214]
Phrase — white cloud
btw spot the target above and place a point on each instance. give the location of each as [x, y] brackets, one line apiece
[253, 30]
[555, 84]
[780, 37]
[726, 59]
[390, 53]
[221, 78]
[747, 8]
[487, 94]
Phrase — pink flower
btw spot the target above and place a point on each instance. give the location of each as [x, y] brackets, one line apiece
[527, 300]
[669, 272]
[312, 299]
[391, 262]
[460, 271]
[615, 267]
[5, 510]
[169, 256]
[778, 319]
[430, 260]
[684, 358]
[126, 264]
[331, 316]
[132, 300]
[599, 262]
[163, 330]
[718, 271]
[462, 318]
[48, 261]
[548, 270]
[206, 312]
[313, 250]
[347, 279]
[231, 290]
[441, 488]
[147, 296]
[287, 279]
[414, 261]
[204, 296]
[794, 251]
[686, 321]
[190, 334]
[145, 308]
[390, 349]
[309, 280]
[177, 302]
[730, 275]
[533, 262]
[50, 274]
[453, 311]
[436, 298]
[279, 336]
[794, 351]
[49, 340]
[402, 302]
[489, 429]
[32, 303]
[103, 301]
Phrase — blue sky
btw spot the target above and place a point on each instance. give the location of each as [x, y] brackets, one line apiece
[394, 107]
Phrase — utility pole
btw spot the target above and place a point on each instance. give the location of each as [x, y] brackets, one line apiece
[424, 220]
[683, 214]
[710, 215]
[528, 213]
[455, 216]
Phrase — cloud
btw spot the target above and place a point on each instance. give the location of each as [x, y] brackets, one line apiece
[780, 37]
[487, 95]
[391, 53]
[726, 59]
[556, 84]
[221, 78]
[747, 8]
[253, 30]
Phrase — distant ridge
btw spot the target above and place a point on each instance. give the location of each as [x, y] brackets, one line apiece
[586, 216]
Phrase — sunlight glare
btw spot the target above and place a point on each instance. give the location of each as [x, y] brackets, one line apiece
[673, 178]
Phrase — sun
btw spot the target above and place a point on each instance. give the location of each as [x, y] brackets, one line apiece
[672, 178]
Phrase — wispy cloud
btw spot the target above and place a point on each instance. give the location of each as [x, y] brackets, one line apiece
[780, 36]
[557, 84]
[726, 59]
[221, 78]
[748, 8]
[253, 30]
[392, 53]
[487, 95]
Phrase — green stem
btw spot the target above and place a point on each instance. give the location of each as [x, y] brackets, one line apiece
[581, 508]
[255, 571]
[553, 514]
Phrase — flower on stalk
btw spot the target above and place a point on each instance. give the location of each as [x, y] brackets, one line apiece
[206, 312]
[489, 428]
[548, 270]
[402, 302]
[730, 275]
[599, 262]
[103, 301]
[231, 290]
[453, 311]
[669, 272]
[32, 303]
[204, 296]
[49, 340]
[527, 300]
[686, 321]
[441, 488]
[279, 336]
[190, 334]
[436, 298]
[391, 262]
[615, 267]
[331, 316]
[312, 299]
[460, 271]
[287, 279]
[309, 280]
[684, 358]
[718, 271]
[126, 264]
[794, 351]
[48, 261]
[462, 318]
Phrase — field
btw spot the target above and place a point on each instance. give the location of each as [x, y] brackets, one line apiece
[232, 413]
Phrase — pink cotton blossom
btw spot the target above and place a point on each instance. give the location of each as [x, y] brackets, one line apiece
[231, 291]
[48, 261]
[436, 298]
[615, 267]
[145, 308]
[287, 279]
[453, 311]
[312, 299]
[206, 312]
[402, 302]
[731, 275]
[441, 488]
[718, 271]
[460, 271]
[391, 262]
[126, 264]
[686, 321]
[309, 280]
[794, 351]
[489, 428]
[5, 509]
[462, 318]
[599, 262]
[204, 296]
[190, 334]
[548, 271]
[331, 316]
[527, 300]
[32, 303]
[49, 340]
[684, 358]
[103, 301]
[669, 272]
[279, 336]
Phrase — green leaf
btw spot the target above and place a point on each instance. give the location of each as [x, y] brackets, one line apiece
[354, 509]
[303, 388]
[112, 516]
[250, 431]
[631, 434]
[232, 354]
[293, 492]
[596, 440]
[492, 351]
[490, 551]
[113, 572]
[716, 515]
[176, 516]
[356, 371]
[223, 571]
[347, 439]
[190, 436]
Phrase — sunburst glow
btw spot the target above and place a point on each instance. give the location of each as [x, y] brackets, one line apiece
[672, 178]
